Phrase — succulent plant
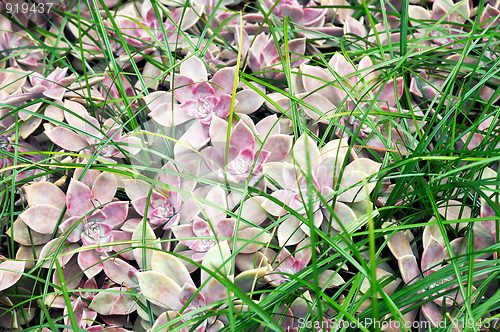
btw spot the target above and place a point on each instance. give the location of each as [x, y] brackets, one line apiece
[151, 184]
[325, 166]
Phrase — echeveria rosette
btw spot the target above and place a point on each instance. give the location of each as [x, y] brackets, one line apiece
[162, 209]
[148, 31]
[243, 161]
[53, 86]
[200, 98]
[288, 265]
[325, 166]
[200, 236]
[96, 228]
[169, 284]
[196, 98]
[263, 56]
[15, 44]
[309, 18]
[443, 36]
[164, 204]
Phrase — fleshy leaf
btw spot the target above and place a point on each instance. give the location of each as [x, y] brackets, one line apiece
[171, 266]
[45, 193]
[113, 301]
[66, 139]
[10, 273]
[214, 260]
[259, 236]
[149, 238]
[161, 289]
[42, 218]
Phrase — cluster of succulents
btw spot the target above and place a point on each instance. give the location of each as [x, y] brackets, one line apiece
[171, 164]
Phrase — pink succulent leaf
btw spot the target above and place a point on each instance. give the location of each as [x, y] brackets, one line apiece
[74, 223]
[251, 239]
[304, 151]
[290, 232]
[183, 88]
[160, 289]
[66, 139]
[184, 233]
[78, 198]
[217, 197]
[90, 262]
[223, 81]
[104, 188]
[225, 227]
[223, 107]
[63, 256]
[194, 68]
[77, 307]
[45, 193]
[171, 266]
[388, 94]
[96, 217]
[118, 270]
[214, 160]
[242, 137]
[174, 221]
[304, 251]
[198, 256]
[215, 291]
[197, 135]
[285, 196]
[89, 284]
[170, 179]
[10, 273]
[432, 312]
[489, 14]
[42, 218]
[278, 147]
[488, 212]
[344, 214]
[122, 249]
[248, 101]
[218, 130]
[276, 278]
[433, 255]
[116, 213]
[113, 301]
[204, 90]
[217, 259]
[200, 226]
[191, 296]
[285, 261]
[409, 269]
